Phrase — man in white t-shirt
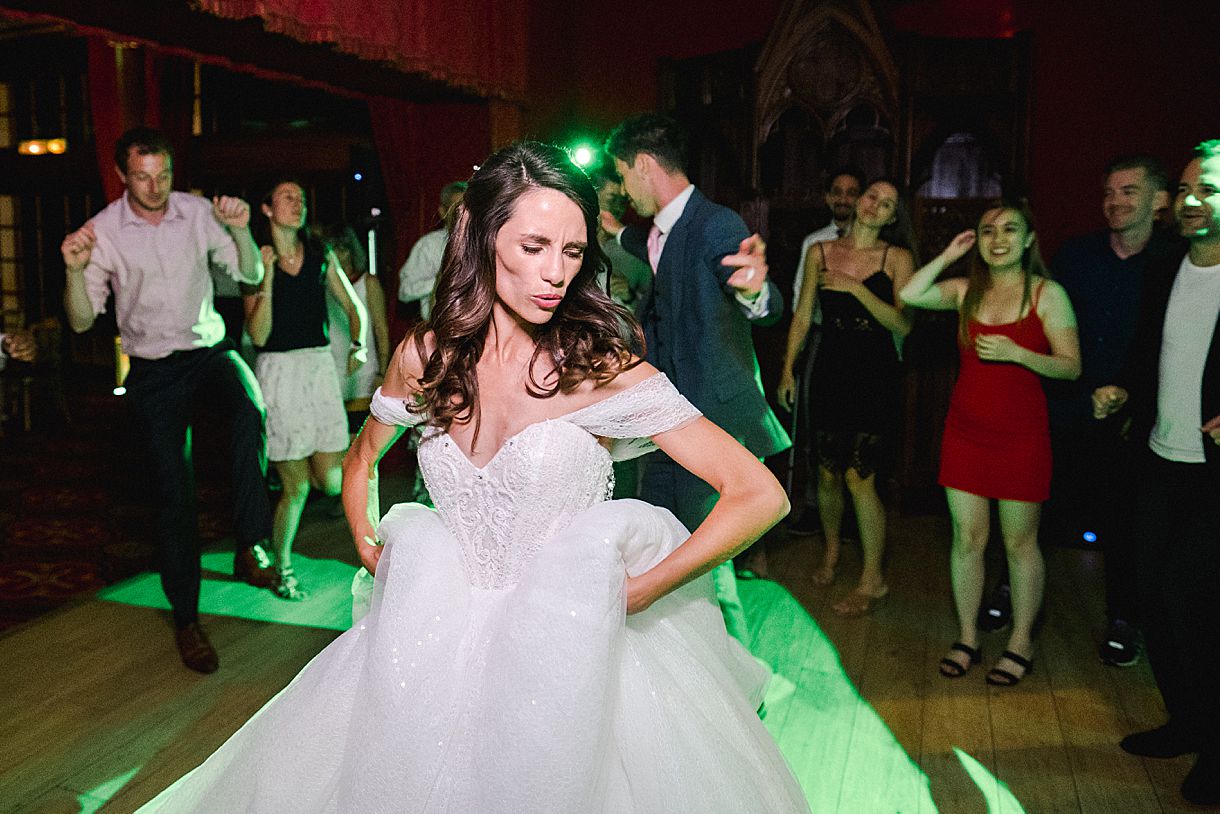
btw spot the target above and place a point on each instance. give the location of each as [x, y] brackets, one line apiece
[417, 277]
[842, 192]
[1172, 388]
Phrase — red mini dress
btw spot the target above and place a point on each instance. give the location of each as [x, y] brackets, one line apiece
[997, 441]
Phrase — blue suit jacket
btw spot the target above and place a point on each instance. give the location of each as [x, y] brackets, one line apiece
[697, 332]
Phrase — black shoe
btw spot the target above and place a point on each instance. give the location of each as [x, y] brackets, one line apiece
[1121, 647]
[805, 524]
[1202, 783]
[1163, 742]
[996, 612]
[253, 566]
[195, 650]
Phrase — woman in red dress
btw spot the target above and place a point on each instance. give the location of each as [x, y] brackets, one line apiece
[1016, 325]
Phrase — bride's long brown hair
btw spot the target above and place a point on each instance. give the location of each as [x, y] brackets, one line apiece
[588, 337]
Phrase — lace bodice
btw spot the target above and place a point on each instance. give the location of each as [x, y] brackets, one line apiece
[502, 512]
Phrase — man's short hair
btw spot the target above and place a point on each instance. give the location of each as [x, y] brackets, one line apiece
[1153, 169]
[145, 140]
[1208, 149]
[451, 189]
[849, 171]
[653, 133]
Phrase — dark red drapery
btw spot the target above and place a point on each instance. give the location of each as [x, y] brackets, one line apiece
[422, 147]
[105, 109]
[959, 18]
[132, 84]
[476, 44]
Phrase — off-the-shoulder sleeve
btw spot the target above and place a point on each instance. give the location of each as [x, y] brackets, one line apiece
[393, 412]
[632, 416]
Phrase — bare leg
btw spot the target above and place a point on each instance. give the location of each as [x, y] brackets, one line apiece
[1027, 574]
[294, 476]
[830, 509]
[326, 472]
[971, 519]
[870, 517]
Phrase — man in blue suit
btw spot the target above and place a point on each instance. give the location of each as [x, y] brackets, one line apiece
[710, 287]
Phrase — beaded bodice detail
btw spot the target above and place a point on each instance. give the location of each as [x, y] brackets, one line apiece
[503, 512]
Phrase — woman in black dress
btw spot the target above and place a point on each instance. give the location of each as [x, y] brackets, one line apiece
[855, 393]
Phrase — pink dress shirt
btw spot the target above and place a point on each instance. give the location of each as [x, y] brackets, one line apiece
[161, 274]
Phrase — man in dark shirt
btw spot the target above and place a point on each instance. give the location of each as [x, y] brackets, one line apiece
[1104, 274]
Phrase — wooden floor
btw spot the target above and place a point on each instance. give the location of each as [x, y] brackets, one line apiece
[97, 714]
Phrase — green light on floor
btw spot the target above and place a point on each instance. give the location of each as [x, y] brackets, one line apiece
[328, 582]
[99, 795]
[842, 752]
[999, 798]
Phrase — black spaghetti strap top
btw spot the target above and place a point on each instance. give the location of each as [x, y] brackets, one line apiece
[298, 305]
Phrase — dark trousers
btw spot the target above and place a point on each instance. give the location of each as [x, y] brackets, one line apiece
[162, 393]
[1179, 580]
[233, 311]
[1094, 490]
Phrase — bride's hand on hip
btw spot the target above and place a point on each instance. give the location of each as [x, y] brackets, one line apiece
[638, 598]
[369, 551]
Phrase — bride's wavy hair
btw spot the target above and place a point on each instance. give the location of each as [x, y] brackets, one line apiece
[589, 336]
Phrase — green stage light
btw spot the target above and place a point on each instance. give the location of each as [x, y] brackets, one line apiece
[582, 156]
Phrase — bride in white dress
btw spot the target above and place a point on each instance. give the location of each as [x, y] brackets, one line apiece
[529, 645]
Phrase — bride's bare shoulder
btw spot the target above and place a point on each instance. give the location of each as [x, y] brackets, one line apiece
[406, 368]
[638, 371]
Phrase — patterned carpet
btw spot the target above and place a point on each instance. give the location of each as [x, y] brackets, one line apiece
[73, 510]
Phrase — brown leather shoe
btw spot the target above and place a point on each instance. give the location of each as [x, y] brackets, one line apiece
[195, 649]
[253, 566]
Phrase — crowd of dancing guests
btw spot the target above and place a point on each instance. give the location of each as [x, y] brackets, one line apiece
[1102, 368]
[1044, 411]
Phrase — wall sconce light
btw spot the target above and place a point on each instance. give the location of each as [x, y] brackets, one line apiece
[43, 146]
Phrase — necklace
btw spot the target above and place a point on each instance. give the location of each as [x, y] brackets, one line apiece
[292, 262]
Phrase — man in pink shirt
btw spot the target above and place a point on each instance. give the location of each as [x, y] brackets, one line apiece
[155, 250]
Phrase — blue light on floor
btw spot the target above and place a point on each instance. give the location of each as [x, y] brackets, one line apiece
[1089, 537]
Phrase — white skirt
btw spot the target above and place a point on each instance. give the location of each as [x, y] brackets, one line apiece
[304, 408]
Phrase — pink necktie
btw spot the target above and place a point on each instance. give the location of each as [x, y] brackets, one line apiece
[654, 247]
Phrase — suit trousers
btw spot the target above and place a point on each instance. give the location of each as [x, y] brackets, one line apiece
[1178, 572]
[1093, 488]
[162, 394]
[668, 485]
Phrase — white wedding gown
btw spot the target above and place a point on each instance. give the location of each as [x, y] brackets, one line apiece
[495, 670]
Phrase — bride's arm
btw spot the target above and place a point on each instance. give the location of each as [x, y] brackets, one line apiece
[751, 502]
[360, 499]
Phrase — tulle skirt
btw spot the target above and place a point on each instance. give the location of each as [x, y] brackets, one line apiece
[541, 697]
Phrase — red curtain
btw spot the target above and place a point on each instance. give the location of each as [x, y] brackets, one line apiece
[135, 84]
[476, 44]
[421, 148]
[959, 18]
[106, 110]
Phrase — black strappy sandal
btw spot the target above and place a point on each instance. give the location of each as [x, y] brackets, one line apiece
[997, 677]
[954, 669]
[289, 587]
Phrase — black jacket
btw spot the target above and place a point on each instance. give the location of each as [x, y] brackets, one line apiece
[1141, 376]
